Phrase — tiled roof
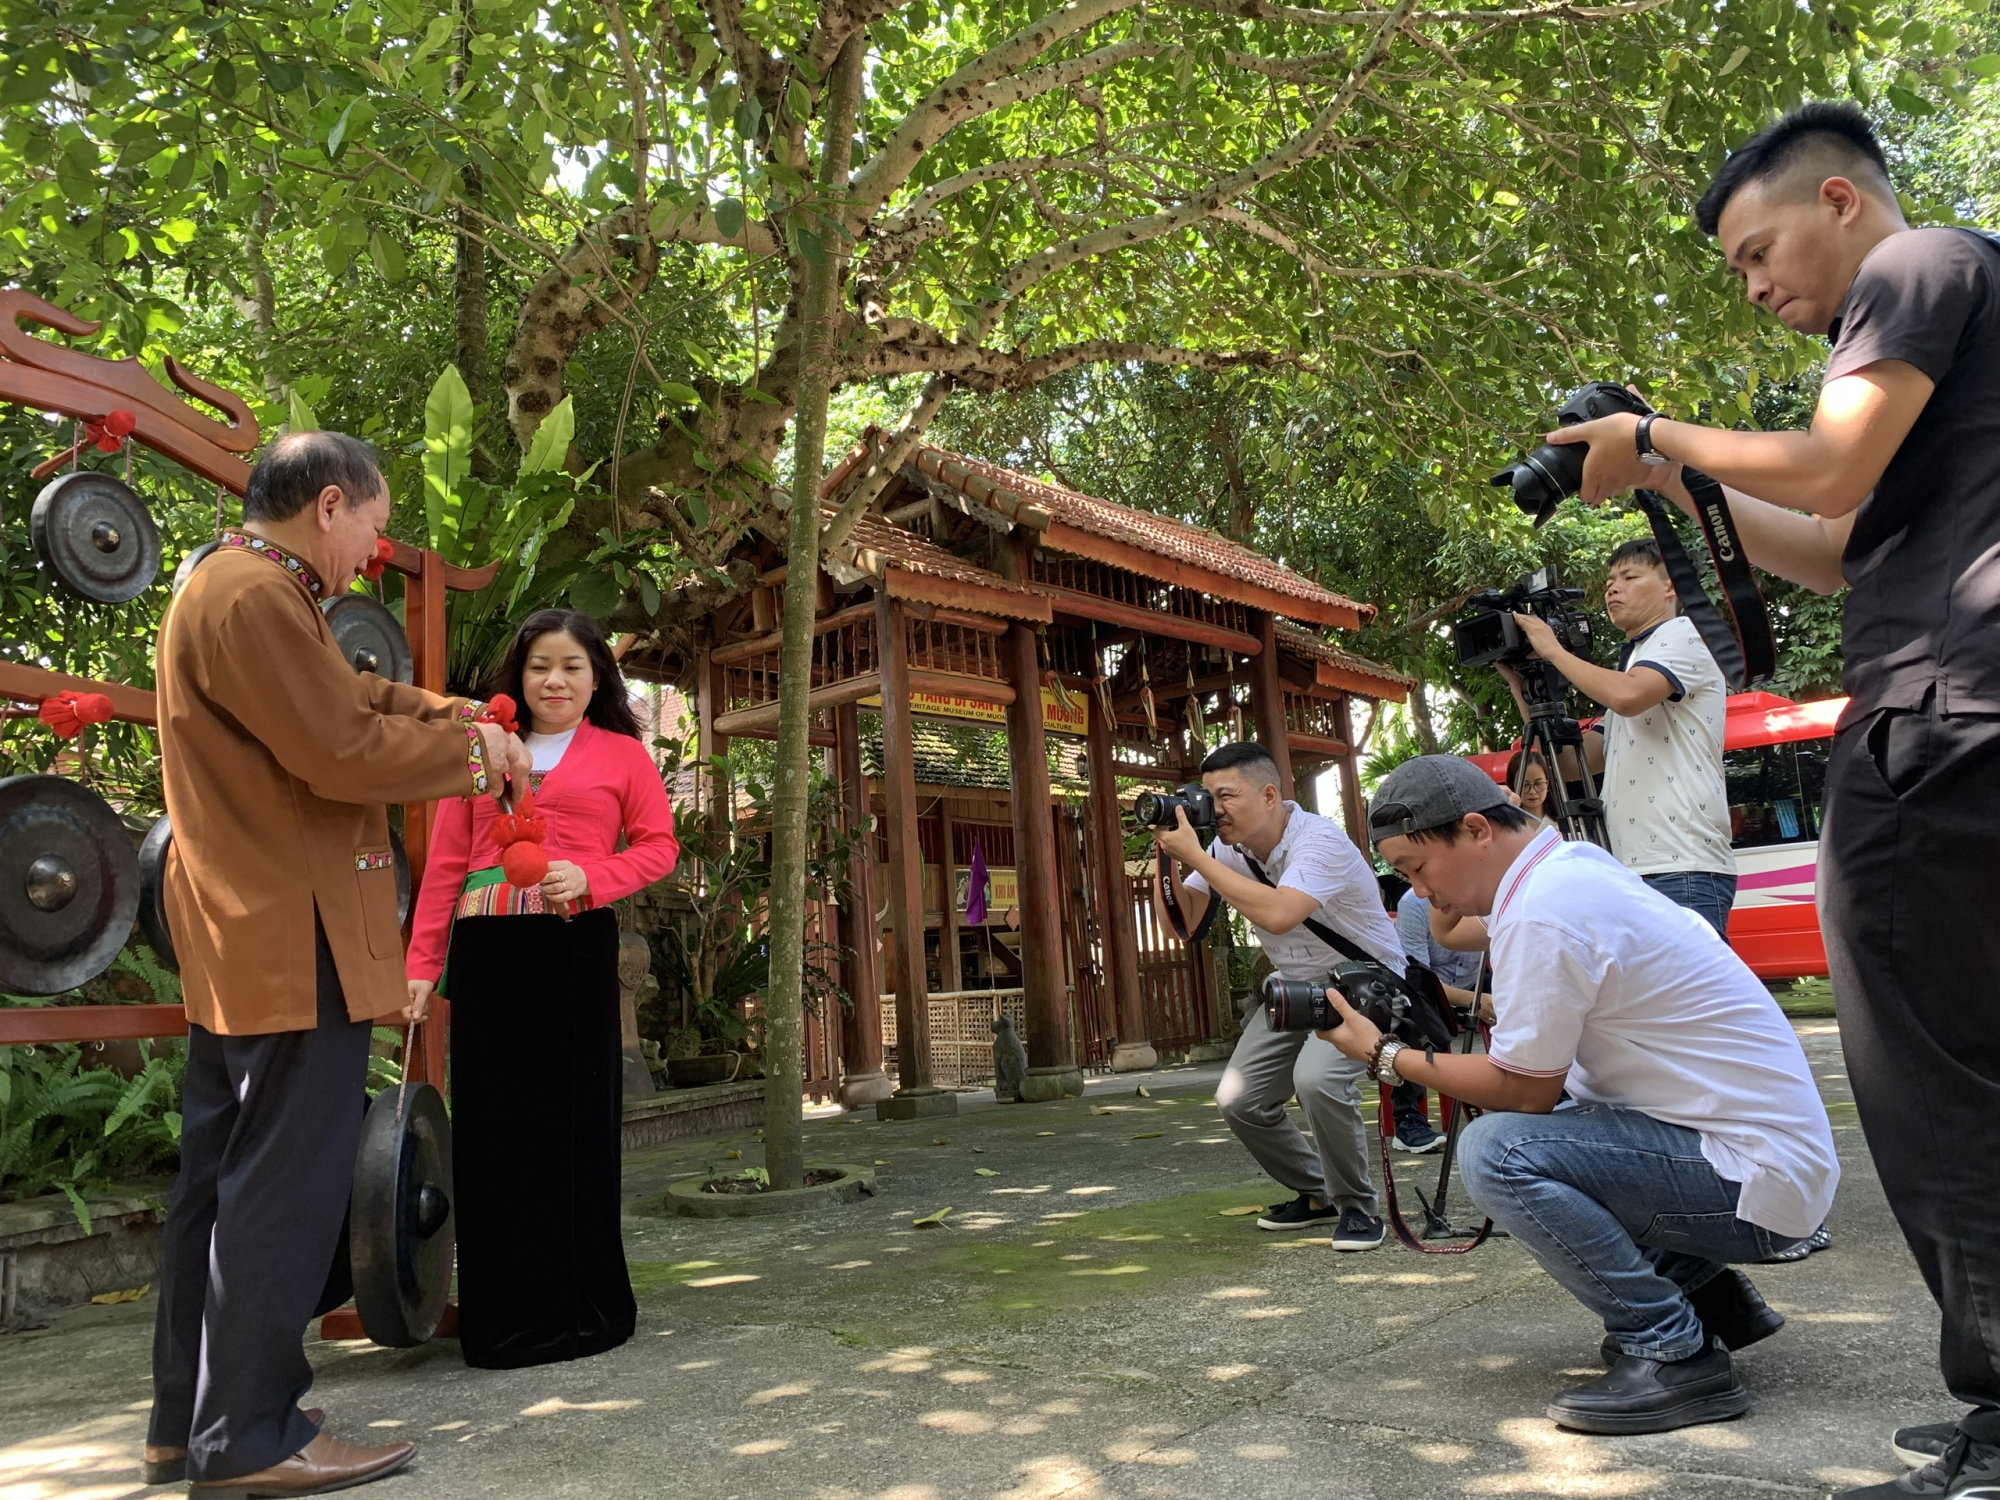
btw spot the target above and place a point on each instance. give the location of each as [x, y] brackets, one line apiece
[1367, 676]
[876, 538]
[1034, 503]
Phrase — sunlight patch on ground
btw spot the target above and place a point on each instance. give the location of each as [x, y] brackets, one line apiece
[781, 1392]
[760, 1447]
[962, 1423]
[1090, 1192]
[851, 1265]
[1058, 1477]
[738, 1278]
[1558, 1463]
[555, 1404]
[965, 1377]
[96, 1460]
[1235, 1293]
[1259, 1314]
[1441, 1453]
[1109, 1271]
[1226, 1373]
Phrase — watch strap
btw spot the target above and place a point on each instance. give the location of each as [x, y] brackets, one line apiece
[1642, 439]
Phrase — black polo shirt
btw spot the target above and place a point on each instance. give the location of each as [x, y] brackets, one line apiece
[1924, 556]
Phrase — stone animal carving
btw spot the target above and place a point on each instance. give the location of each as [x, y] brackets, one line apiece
[1010, 1061]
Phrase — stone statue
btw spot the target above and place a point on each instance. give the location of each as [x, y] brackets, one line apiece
[636, 985]
[1010, 1061]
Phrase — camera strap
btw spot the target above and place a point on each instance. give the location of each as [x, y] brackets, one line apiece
[1176, 918]
[1747, 653]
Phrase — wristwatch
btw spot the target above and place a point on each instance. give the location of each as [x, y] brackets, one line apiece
[1642, 437]
[1383, 1068]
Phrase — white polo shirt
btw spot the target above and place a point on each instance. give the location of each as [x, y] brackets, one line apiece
[1665, 805]
[1599, 977]
[1316, 856]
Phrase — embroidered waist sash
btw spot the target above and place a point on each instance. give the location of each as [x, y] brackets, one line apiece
[486, 893]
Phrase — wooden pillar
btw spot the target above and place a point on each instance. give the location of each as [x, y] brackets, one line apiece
[424, 623]
[1353, 808]
[1120, 927]
[948, 915]
[1267, 701]
[711, 702]
[864, 1082]
[915, 1093]
[1052, 1069]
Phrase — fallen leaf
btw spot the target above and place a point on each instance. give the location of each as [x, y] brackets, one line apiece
[131, 1294]
[978, 1150]
[1098, 1109]
[880, 1163]
[732, 1156]
[984, 1172]
[1149, 1135]
[1044, 1132]
[942, 1140]
[1237, 1213]
[930, 1221]
[1143, 1092]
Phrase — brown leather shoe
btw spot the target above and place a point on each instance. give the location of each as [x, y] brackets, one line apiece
[169, 1465]
[323, 1465]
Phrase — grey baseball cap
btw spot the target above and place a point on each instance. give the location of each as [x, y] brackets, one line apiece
[1430, 792]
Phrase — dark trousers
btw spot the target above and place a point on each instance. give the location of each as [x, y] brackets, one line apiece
[269, 1126]
[1909, 899]
[536, 1098]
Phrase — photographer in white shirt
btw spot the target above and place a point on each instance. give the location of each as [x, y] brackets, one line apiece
[1692, 1136]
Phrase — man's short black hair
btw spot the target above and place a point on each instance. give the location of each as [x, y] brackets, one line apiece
[1836, 140]
[297, 467]
[1641, 549]
[1247, 756]
[1507, 818]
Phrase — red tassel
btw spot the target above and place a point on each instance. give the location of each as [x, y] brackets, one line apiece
[379, 563]
[67, 713]
[110, 434]
[519, 835]
[499, 710]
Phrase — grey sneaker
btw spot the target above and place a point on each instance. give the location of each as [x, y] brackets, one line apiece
[1966, 1470]
[1917, 1446]
[1820, 1239]
[1357, 1231]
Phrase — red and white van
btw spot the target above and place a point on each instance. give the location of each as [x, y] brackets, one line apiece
[1774, 764]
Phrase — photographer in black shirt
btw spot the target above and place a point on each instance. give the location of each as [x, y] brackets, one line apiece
[1894, 490]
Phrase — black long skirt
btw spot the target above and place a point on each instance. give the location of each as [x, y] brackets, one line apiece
[536, 1100]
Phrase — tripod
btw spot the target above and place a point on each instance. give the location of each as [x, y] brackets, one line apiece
[1548, 732]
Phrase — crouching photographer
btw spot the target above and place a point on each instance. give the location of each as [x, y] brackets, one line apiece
[1692, 1136]
[1287, 871]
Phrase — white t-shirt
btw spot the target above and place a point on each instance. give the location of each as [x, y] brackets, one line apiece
[1316, 856]
[547, 749]
[1598, 976]
[1664, 801]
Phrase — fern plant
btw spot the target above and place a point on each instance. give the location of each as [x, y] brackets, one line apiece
[74, 1129]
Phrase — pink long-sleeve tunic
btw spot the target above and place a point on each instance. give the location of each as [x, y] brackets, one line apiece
[606, 784]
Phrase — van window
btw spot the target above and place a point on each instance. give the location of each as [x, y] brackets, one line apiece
[1775, 792]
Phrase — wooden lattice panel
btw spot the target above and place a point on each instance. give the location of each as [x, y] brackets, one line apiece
[1122, 586]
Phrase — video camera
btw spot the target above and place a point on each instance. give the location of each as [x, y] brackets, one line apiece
[1491, 633]
[1157, 809]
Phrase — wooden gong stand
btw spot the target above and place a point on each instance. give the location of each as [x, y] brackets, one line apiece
[88, 388]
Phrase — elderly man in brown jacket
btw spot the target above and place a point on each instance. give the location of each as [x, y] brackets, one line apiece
[277, 759]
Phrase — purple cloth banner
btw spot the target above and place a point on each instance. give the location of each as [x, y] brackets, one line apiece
[975, 886]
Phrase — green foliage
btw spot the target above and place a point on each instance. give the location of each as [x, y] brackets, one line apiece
[74, 1129]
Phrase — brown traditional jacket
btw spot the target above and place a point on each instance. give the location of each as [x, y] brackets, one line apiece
[277, 759]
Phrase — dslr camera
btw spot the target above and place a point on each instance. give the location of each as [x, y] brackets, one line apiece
[1552, 473]
[1379, 993]
[1157, 809]
[1492, 634]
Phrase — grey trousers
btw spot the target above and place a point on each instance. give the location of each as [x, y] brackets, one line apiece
[1267, 1068]
[268, 1133]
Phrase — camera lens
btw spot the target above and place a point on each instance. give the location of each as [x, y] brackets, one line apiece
[1543, 478]
[1146, 809]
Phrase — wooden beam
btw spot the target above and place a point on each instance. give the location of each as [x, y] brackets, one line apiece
[25, 684]
[1354, 810]
[821, 739]
[1212, 682]
[764, 645]
[1049, 1041]
[1083, 606]
[1114, 893]
[955, 593]
[932, 615]
[906, 875]
[961, 685]
[948, 905]
[1267, 703]
[746, 721]
[860, 1023]
[37, 1025]
[1062, 537]
[1347, 680]
[1316, 747]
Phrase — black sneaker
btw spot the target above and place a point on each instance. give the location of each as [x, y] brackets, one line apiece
[1417, 1137]
[1357, 1231]
[1820, 1239]
[1650, 1395]
[1730, 1309]
[1964, 1471]
[1917, 1446]
[1298, 1214]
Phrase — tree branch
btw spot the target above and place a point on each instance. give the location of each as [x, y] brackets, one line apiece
[882, 466]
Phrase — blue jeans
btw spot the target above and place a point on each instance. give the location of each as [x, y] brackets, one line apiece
[1706, 893]
[1619, 1207]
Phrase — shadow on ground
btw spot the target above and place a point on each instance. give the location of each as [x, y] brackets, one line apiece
[1087, 1324]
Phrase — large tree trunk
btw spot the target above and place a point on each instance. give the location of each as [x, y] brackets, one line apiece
[1420, 717]
[784, 1008]
[469, 344]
